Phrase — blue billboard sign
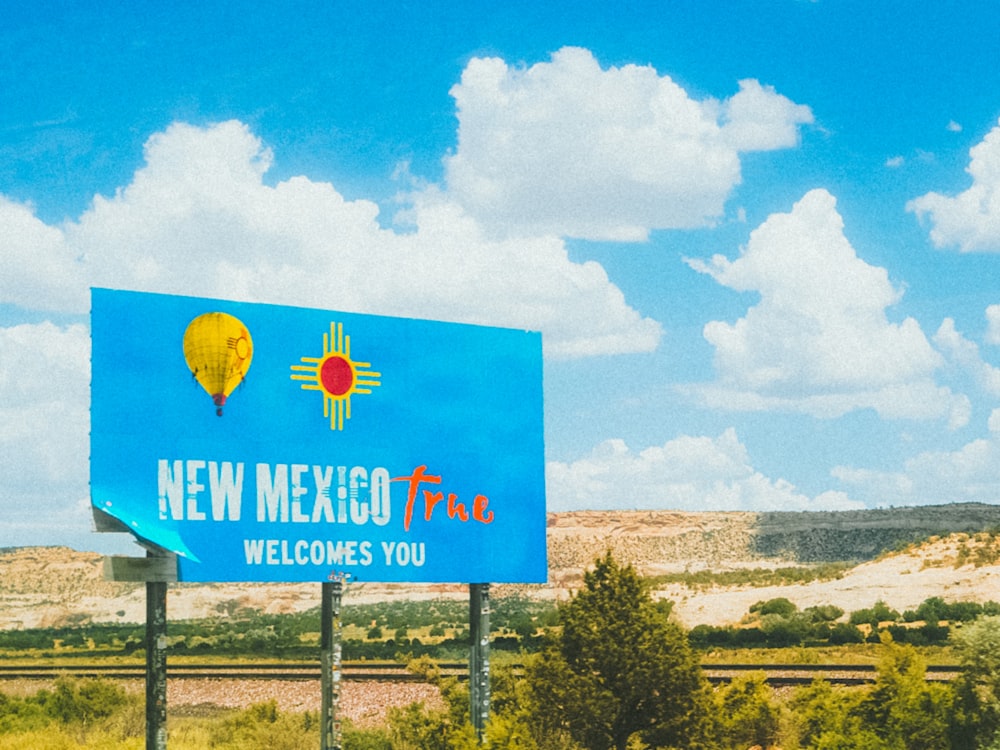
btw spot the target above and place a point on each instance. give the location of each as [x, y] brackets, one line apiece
[281, 444]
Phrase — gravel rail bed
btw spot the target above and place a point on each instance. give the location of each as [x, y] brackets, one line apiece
[364, 703]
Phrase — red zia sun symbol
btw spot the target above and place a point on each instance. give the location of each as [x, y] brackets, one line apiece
[337, 375]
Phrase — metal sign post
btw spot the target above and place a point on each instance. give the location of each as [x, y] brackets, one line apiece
[479, 656]
[156, 665]
[330, 656]
[156, 569]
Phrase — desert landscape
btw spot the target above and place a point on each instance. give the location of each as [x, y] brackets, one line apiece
[899, 556]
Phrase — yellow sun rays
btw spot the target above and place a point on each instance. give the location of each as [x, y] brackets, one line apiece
[336, 375]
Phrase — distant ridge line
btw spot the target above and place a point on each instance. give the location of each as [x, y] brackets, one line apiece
[646, 537]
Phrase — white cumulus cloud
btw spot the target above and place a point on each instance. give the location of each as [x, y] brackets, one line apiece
[968, 474]
[569, 148]
[38, 268]
[971, 219]
[44, 398]
[758, 118]
[199, 219]
[818, 341]
[993, 324]
[687, 473]
[965, 354]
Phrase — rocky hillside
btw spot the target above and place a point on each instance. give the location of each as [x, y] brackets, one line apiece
[863, 534]
[654, 540]
[51, 586]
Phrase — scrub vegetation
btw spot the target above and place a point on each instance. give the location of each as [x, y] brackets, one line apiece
[387, 630]
[783, 576]
[606, 670]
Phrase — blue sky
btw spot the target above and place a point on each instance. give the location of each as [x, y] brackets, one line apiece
[759, 239]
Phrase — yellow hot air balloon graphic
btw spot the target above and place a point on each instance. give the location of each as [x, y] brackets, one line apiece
[218, 349]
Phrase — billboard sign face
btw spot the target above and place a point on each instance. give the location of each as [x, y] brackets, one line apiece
[266, 443]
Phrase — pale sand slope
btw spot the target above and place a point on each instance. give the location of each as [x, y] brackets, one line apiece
[902, 581]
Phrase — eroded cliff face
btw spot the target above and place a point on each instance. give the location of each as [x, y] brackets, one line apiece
[665, 539]
[650, 540]
[46, 586]
[864, 534]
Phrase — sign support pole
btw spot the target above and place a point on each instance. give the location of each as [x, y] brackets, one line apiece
[330, 656]
[479, 656]
[156, 665]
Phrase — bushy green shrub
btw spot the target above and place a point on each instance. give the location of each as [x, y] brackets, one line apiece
[843, 633]
[823, 713]
[709, 636]
[780, 606]
[21, 714]
[782, 632]
[263, 725]
[902, 706]
[936, 609]
[747, 713]
[83, 701]
[89, 713]
[879, 612]
[753, 576]
[824, 613]
[977, 690]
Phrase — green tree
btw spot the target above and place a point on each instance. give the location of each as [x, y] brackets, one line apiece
[784, 631]
[747, 713]
[620, 668]
[822, 713]
[905, 709]
[879, 612]
[824, 613]
[977, 691]
[780, 606]
[843, 632]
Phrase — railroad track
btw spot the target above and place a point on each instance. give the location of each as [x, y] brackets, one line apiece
[775, 674]
[355, 671]
[802, 674]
